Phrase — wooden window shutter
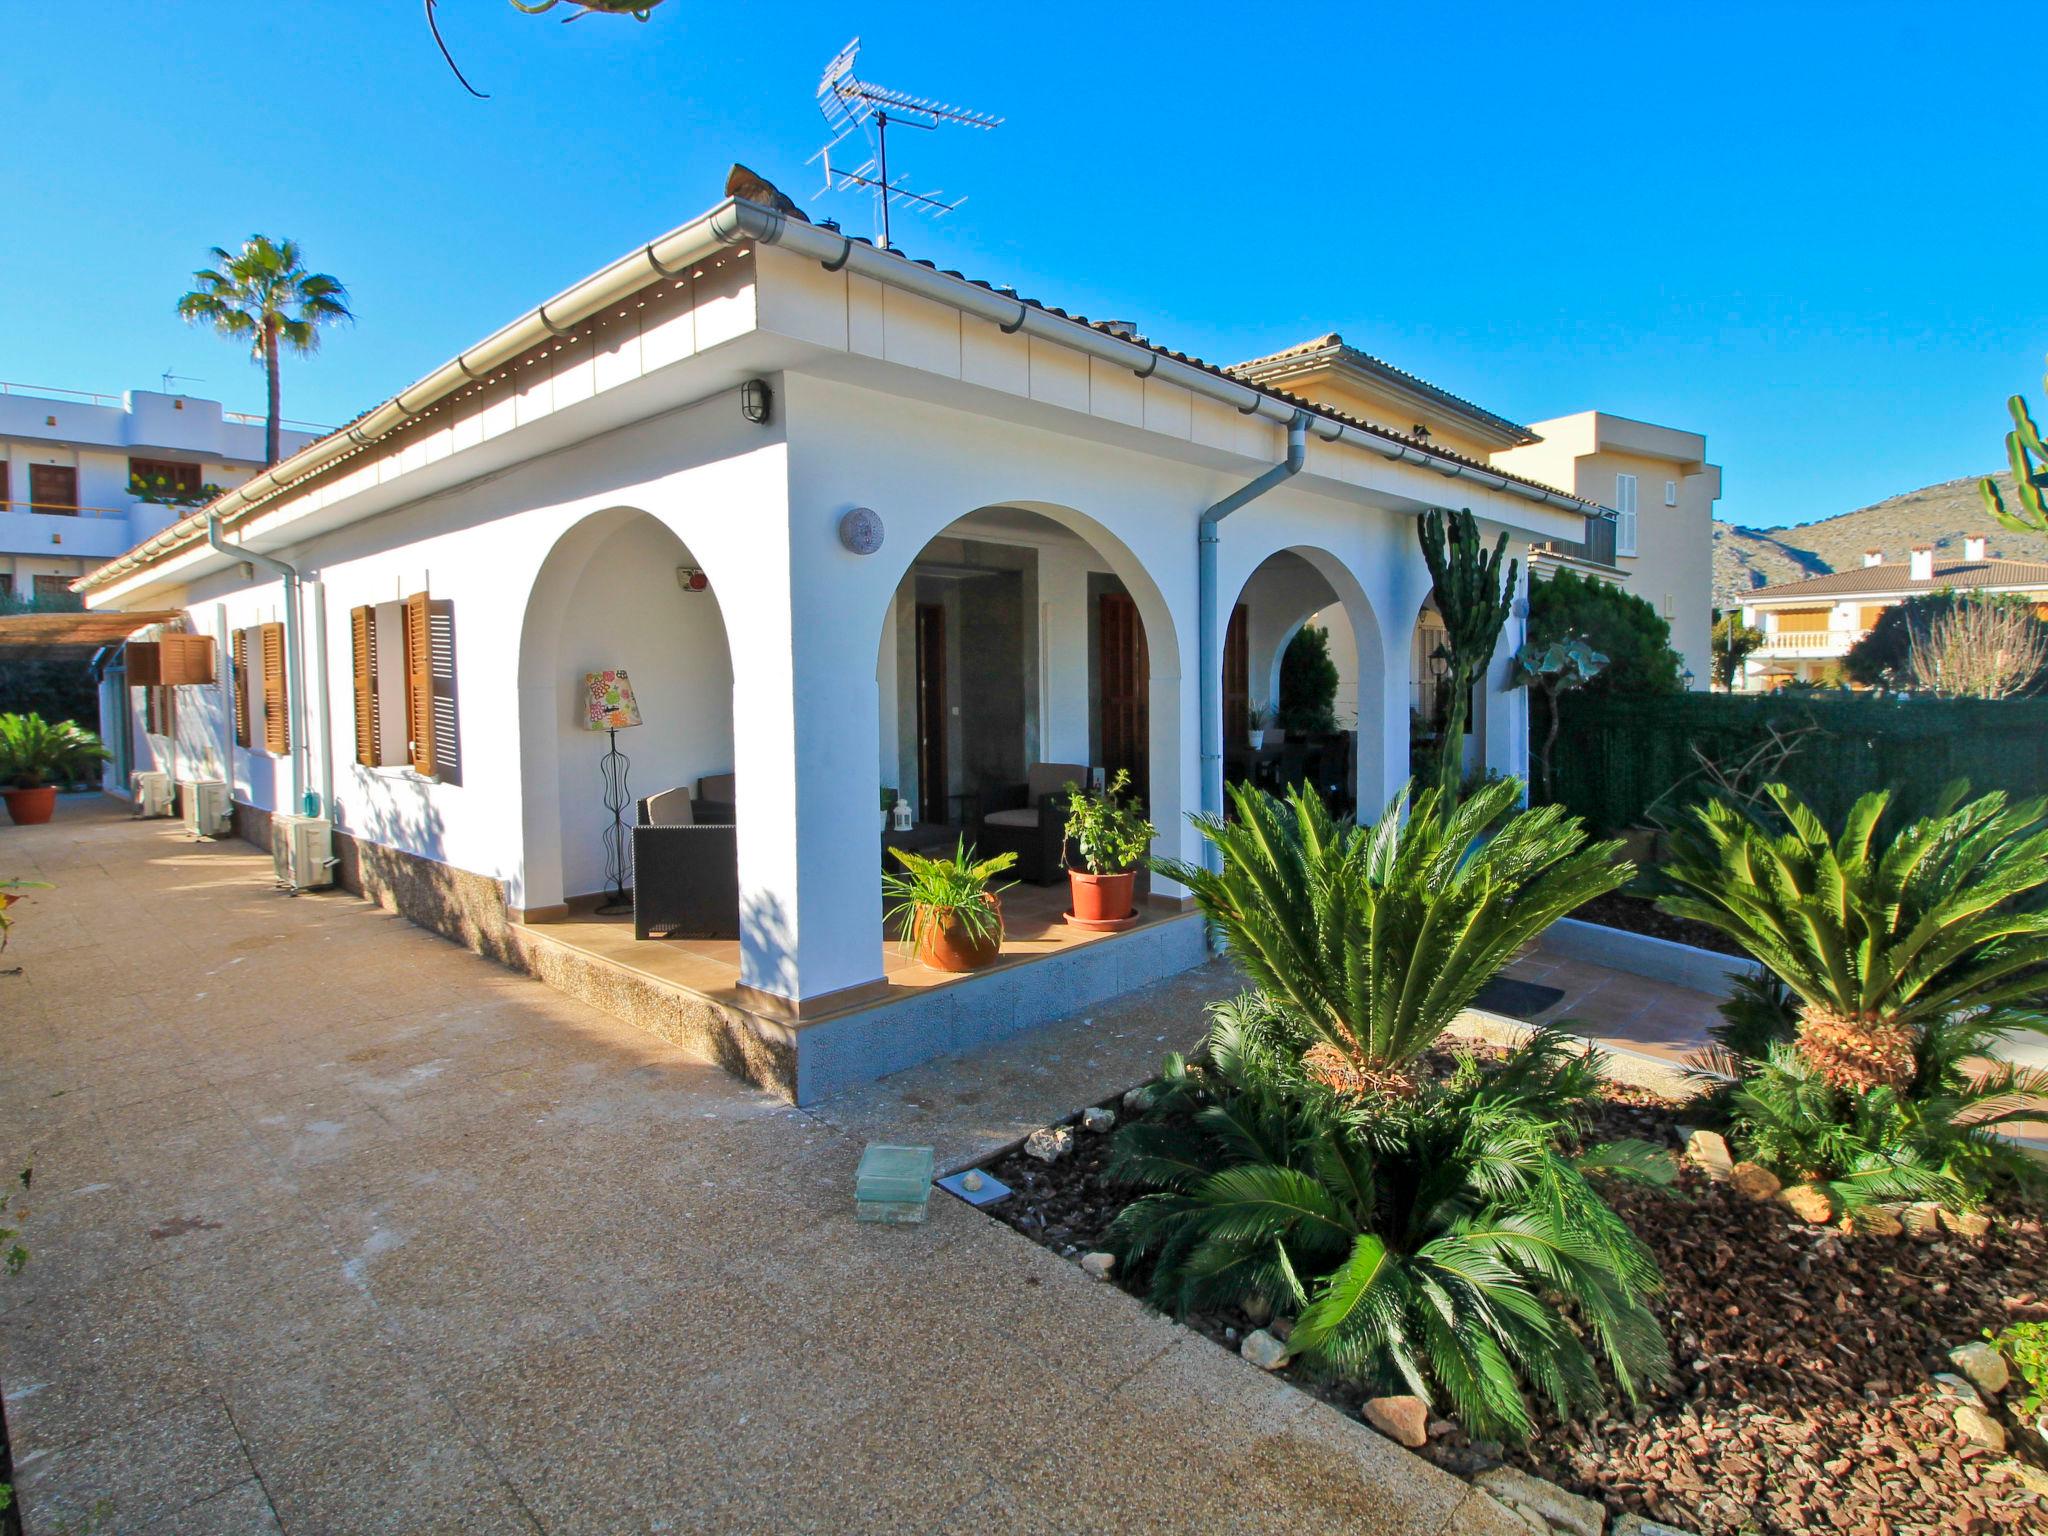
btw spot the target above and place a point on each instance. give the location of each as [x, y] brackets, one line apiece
[241, 665]
[144, 662]
[419, 683]
[185, 659]
[277, 732]
[363, 647]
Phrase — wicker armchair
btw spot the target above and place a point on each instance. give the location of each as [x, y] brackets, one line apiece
[686, 877]
[1030, 820]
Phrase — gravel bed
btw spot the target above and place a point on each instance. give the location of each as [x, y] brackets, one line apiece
[1804, 1398]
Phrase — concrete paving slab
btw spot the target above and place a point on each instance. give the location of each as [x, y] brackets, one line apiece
[429, 1247]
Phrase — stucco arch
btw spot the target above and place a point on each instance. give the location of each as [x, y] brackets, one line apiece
[1164, 703]
[553, 642]
[1346, 591]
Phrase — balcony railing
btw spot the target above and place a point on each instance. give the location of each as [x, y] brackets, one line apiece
[257, 419]
[1596, 546]
[88, 396]
[60, 509]
[1813, 639]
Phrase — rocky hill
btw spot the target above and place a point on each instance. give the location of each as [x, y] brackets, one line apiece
[1746, 558]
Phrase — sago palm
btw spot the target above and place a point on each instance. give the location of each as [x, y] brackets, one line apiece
[1438, 1245]
[1375, 938]
[1882, 939]
[263, 295]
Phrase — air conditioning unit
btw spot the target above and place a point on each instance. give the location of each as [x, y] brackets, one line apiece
[208, 812]
[302, 851]
[152, 793]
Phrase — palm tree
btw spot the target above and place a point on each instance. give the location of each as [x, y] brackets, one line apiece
[265, 295]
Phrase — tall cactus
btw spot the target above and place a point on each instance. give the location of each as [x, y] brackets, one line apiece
[1474, 603]
[2030, 483]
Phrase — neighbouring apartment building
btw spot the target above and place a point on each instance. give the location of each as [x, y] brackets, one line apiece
[1809, 626]
[68, 458]
[1662, 492]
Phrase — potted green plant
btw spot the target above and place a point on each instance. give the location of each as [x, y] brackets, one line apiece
[1113, 837]
[1256, 718]
[888, 805]
[945, 910]
[36, 756]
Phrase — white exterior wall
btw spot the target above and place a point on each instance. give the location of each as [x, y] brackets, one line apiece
[518, 508]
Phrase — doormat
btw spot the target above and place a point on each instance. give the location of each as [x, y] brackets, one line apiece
[1517, 999]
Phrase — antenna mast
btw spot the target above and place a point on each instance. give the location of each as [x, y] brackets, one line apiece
[853, 106]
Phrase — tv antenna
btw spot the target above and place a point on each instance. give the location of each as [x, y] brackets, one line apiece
[171, 378]
[853, 107]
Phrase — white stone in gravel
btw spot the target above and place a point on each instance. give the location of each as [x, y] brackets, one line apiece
[1258, 1309]
[1401, 1418]
[1100, 1265]
[1710, 1152]
[1753, 1181]
[1966, 1223]
[1097, 1120]
[1640, 1525]
[1049, 1144]
[1984, 1366]
[1948, 1384]
[1979, 1428]
[1562, 1511]
[1136, 1099]
[1922, 1218]
[1263, 1350]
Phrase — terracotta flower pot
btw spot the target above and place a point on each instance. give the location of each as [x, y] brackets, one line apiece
[944, 945]
[31, 807]
[1102, 898]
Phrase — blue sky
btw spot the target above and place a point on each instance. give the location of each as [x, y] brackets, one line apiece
[1797, 228]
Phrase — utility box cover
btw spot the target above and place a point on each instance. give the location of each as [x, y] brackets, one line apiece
[894, 1175]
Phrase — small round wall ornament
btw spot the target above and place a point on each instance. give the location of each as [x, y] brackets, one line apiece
[860, 530]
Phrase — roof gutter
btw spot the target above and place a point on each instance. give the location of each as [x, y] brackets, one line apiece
[735, 223]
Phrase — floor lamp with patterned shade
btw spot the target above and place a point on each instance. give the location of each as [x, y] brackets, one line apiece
[609, 706]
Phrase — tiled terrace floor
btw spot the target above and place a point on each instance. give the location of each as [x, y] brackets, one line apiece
[338, 1229]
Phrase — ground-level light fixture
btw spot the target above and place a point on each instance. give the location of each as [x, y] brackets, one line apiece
[755, 398]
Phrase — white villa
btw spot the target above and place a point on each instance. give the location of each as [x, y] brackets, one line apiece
[849, 523]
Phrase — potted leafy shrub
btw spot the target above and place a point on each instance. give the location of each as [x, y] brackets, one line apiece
[1113, 837]
[35, 757]
[948, 915]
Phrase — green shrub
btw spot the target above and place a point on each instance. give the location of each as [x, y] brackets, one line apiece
[2026, 1346]
[34, 752]
[1625, 628]
[1884, 657]
[1376, 938]
[1436, 1242]
[1308, 684]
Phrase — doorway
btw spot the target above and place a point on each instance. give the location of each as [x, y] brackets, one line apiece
[932, 719]
[1124, 672]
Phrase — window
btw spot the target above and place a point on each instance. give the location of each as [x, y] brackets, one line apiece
[1625, 514]
[1670, 493]
[402, 659]
[53, 488]
[165, 477]
[4, 507]
[6, 577]
[259, 662]
[53, 589]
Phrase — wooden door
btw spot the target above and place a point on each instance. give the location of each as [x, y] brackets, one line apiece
[53, 488]
[931, 713]
[1237, 677]
[1124, 673]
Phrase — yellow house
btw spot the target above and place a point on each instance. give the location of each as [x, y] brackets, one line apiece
[1662, 491]
[1810, 625]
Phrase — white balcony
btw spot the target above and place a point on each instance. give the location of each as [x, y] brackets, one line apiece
[95, 533]
[1812, 642]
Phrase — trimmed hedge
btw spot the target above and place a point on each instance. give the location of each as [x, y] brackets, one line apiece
[1617, 756]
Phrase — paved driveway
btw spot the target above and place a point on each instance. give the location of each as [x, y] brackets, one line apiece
[337, 1228]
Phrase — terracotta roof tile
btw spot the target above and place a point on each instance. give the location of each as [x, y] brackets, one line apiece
[1896, 580]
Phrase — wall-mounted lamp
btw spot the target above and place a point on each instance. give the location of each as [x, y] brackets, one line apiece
[755, 398]
[690, 579]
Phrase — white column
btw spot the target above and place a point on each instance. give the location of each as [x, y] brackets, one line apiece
[1063, 641]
